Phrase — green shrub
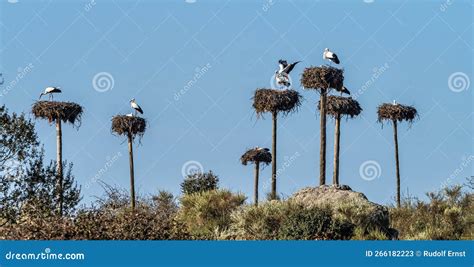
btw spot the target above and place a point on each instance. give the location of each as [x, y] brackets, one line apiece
[206, 213]
[199, 182]
[448, 215]
[286, 220]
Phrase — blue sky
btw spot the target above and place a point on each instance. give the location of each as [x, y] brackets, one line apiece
[193, 67]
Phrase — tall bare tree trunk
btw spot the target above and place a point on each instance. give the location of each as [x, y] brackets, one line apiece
[395, 137]
[322, 150]
[255, 188]
[274, 155]
[337, 137]
[59, 162]
[132, 175]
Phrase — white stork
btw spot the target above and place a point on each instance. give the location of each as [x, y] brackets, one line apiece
[50, 91]
[282, 74]
[394, 102]
[135, 106]
[328, 55]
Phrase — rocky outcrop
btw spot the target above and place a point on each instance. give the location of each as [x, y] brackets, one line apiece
[349, 205]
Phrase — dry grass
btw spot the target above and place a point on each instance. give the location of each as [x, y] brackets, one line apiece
[275, 101]
[256, 155]
[392, 112]
[323, 77]
[53, 110]
[124, 125]
[343, 106]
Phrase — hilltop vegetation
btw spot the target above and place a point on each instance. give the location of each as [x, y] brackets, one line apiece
[28, 207]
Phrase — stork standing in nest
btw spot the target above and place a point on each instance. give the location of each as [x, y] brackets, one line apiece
[331, 56]
[135, 106]
[50, 91]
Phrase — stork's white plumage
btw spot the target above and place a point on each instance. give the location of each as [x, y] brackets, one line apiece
[282, 74]
[50, 91]
[135, 106]
[328, 55]
[395, 102]
[129, 115]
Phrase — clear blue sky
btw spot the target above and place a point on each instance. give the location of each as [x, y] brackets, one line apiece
[389, 50]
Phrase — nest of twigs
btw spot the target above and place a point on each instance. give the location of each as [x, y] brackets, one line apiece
[342, 106]
[256, 155]
[396, 112]
[323, 77]
[272, 100]
[53, 110]
[125, 125]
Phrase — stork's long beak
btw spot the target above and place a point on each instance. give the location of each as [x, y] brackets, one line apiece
[40, 96]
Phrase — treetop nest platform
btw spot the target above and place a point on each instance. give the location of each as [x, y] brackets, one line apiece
[342, 106]
[125, 125]
[256, 155]
[273, 100]
[323, 77]
[396, 112]
[54, 110]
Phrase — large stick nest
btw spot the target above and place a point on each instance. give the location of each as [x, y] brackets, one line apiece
[272, 100]
[255, 155]
[125, 125]
[396, 112]
[54, 110]
[342, 106]
[323, 77]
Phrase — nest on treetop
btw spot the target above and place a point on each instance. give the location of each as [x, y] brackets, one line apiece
[125, 125]
[254, 155]
[342, 106]
[323, 77]
[54, 110]
[272, 100]
[396, 112]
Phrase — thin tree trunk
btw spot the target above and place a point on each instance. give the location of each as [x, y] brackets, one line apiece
[322, 150]
[255, 188]
[274, 155]
[337, 137]
[132, 175]
[59, 162]
[395, 137]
